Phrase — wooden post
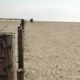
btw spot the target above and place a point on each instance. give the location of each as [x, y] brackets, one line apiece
[20, 48]
[6, 57]
[22, 23]
[20, 73]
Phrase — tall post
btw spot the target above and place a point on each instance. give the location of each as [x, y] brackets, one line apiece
[20, 73]
[20, 48]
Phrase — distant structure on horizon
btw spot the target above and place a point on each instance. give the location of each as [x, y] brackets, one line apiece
[31, 20]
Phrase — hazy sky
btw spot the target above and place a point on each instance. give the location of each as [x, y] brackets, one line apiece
[50, 10]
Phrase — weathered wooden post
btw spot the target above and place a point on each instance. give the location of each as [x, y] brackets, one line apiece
[6, 57]
[20, 73]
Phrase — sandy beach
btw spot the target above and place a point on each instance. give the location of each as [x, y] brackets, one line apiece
[51, 49]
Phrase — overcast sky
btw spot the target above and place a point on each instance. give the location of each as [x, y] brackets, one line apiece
[47, 10]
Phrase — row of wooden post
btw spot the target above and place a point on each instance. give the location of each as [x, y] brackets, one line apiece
[20, 72]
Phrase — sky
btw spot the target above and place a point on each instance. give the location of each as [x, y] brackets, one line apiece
[41, 10]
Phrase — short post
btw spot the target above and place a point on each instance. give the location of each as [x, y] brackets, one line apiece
[31, 20]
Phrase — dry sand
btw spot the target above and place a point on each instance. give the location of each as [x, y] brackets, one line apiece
[51, 50]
